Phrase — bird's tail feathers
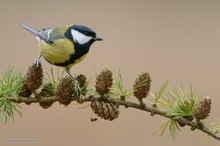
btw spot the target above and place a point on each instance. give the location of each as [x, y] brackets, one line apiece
[31, 30]
[38, 34]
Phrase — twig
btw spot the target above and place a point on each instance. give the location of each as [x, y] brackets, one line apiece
[148, 108]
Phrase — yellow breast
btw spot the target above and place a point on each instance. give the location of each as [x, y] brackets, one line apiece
[57, 52]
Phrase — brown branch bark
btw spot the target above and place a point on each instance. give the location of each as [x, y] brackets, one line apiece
[148, 108]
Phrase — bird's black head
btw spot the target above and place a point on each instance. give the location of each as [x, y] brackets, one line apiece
[81, 35]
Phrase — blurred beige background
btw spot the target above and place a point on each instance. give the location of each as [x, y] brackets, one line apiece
[177, 40]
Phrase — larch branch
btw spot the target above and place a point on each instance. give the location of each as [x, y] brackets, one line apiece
[148, 108]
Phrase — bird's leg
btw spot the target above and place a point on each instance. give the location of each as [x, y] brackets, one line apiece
[74, 81]
[37, 61]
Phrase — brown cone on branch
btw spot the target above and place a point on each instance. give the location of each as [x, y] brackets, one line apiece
[25, 92]
[81, 79]
[202, 109]
[65, 91]
[83, 84]
[104, 82]
[104, 110]
[45, 105]
[34, 78]
[141, 87]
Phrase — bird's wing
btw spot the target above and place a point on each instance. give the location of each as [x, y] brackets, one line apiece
[55, 34]
[45, 35]
[48, 35]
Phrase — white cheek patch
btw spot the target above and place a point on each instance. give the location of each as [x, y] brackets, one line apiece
[79, 37]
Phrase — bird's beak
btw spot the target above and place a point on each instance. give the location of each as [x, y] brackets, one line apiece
[98, 39]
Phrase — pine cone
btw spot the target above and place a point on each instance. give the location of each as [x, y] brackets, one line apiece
[81, 79]
[45, 105]
[202, 108]
[34, 77]
[141, 86]
[104, 82]
[47, 90]
[83, 84]
[105, 110]
[25, 92]
[65, 91]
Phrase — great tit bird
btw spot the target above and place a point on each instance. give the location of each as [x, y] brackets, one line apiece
[64, 46]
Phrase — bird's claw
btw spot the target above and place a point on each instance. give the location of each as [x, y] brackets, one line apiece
[76, 87]
[37, 62]
[77, 90]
